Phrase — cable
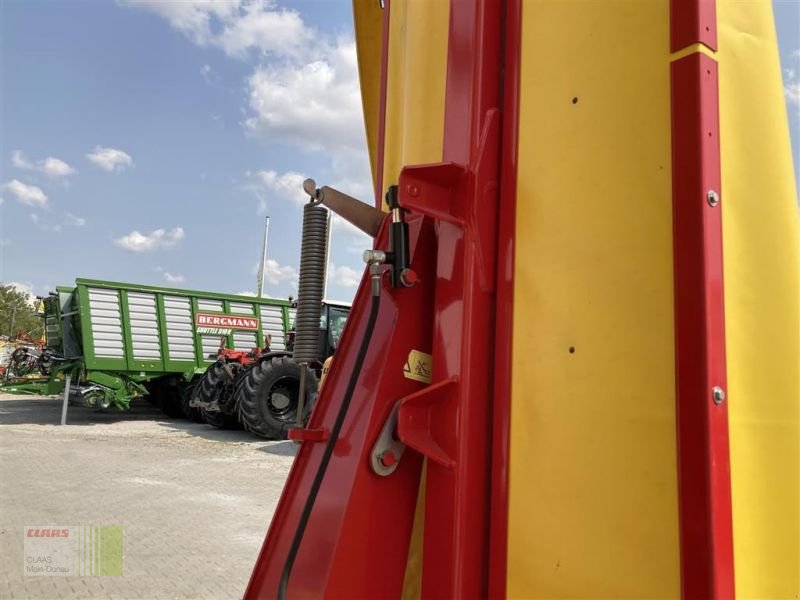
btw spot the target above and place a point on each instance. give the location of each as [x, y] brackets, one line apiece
[326, 456]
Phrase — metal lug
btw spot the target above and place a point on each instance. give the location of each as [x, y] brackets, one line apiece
[388, 450]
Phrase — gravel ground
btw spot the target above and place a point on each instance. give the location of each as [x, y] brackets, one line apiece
[194, 502]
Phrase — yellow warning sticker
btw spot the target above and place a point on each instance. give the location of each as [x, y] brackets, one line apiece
[418, 366]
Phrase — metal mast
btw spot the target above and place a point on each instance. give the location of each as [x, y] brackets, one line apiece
[263, 265]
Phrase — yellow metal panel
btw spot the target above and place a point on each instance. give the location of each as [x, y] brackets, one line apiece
[762, 303]
[368, 24]
[417, 74]
[593, 508]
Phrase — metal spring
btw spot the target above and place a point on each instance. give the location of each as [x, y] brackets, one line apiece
[313, 255]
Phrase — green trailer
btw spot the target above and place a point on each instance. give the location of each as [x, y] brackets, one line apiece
[117, 341]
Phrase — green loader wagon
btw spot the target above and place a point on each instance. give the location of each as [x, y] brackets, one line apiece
[118, 341]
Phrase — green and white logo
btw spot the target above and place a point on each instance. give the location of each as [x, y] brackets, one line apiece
[77, 551]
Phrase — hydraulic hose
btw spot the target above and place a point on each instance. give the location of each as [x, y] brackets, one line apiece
[326, 456]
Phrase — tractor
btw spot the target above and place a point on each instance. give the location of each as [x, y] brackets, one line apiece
[259, 389]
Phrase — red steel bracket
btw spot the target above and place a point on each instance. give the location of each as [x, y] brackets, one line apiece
[431, 190]
[416, 417]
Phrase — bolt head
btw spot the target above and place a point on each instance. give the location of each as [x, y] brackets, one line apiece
[409, 277]
[712, 197]
[718, 394]
[388, 458]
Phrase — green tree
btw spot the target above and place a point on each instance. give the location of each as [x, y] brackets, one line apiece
[18, 313]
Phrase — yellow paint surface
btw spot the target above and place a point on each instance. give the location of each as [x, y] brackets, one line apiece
[368, 25]
[762, 303]
[593, 507]
[417, 74]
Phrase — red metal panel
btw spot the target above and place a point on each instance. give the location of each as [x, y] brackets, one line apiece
[703, 455]
[693, 22]
[506, 232]
[456, 535]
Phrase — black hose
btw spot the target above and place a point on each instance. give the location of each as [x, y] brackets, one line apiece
[326, 456]
[311, 284]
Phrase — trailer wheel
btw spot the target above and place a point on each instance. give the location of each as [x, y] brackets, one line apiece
[167, 398]
[268, 394]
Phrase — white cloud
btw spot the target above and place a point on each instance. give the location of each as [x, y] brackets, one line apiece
[276, 273]
[18, 160]
[170, 278]
[791, 84]
[29, 195]
[155, 240]
[235, 26]
[288, 186]
[111, 159]
[50, 166]
[343, 275]
[1, 201]
[192, 17]
[792, 92]
[5, 243]
[314, 105]
[77, 221]
[54, 167]
[277, 32]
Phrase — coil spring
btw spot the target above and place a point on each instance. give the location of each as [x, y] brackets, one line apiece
[313, 254]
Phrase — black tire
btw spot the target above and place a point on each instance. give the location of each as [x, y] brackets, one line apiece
[216, 385]
[221, 420]
[191, 412]
[267, 397]
[168, 398]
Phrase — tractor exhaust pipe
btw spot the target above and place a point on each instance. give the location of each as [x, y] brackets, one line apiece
[363, 216]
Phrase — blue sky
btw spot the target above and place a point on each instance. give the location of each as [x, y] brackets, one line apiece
[146, 141]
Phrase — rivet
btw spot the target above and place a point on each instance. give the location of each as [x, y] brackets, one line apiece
[718, 394]
[712, 197]
[412, 190]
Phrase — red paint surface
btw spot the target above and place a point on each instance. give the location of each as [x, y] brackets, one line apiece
[504, 330]
[693, 22]
[703, 454]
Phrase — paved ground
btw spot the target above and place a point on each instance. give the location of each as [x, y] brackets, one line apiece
[195, 502]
